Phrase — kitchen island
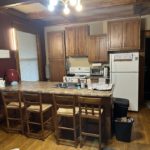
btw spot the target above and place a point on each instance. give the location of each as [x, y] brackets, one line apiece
[51, 88]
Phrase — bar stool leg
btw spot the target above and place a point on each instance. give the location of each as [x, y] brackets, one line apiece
[22, 123]
[75, 134]
[57, 130]
[27, 118]
[100, 139]
[7, 120]
[42, 126]
[81, 138]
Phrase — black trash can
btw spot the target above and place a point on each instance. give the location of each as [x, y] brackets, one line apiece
[123, 129]
[120, 107]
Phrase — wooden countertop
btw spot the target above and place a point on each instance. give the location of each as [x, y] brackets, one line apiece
[50, 87]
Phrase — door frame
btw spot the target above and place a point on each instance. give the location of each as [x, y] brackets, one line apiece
[28, 29]
[145, 33]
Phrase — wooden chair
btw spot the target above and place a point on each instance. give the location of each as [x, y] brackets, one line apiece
[90, 109]
[38, 115]
[14, 108]
[66, 119]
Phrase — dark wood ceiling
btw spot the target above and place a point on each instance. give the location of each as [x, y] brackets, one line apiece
[93, 10]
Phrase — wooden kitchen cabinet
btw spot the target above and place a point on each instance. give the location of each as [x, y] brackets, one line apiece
[70, 36]
[56, 55]
[57, 69]
[97, 49]
[115, 34]
[131, 34]
[76, 40]
[56, 48]
[124, 35]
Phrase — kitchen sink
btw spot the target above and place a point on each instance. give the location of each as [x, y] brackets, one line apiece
[68, 85]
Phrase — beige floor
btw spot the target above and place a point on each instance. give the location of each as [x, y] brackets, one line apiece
[140, 138]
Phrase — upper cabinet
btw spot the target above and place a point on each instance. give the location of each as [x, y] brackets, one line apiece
[124, 34]
[56, 48]
[97, 49]
[76, 40]
[131, 34]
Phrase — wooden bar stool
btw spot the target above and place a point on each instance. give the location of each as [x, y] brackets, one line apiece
[90, 108]
[14, 108]
[66, 119]
[38, 115]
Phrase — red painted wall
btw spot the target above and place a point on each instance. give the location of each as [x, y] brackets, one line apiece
[6, 23]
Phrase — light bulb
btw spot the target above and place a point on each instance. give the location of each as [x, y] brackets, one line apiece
[51, 8]
[79, 6]
[73, 2]
[66, 10]
[53, 2]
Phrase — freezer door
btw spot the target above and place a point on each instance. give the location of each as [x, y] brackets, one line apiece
[126, 86]
[125, 63]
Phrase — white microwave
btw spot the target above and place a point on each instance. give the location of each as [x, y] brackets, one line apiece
[97, 71]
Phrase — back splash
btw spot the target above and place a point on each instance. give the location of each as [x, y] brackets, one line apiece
[78, 62]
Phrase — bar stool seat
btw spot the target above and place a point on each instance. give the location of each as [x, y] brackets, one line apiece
[35, 108]
[14, 105]
[67, 111]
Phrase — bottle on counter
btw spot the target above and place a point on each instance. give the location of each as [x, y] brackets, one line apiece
[2, 82]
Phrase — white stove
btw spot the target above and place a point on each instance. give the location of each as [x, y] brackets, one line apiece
[80, 73]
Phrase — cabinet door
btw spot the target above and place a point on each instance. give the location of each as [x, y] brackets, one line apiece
[57, 70]
[93, 47]
[103, 53]
[70, 35]
[131, 34]
[81, 40]
[97, 49]
[115, 35]
[56, 48]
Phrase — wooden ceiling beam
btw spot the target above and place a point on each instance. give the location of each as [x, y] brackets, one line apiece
[98, 17]
[108, 3]
[46, 14]
[11, 3]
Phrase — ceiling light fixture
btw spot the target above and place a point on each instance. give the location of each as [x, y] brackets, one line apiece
[74, 3]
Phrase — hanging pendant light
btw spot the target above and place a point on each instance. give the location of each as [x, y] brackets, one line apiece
[79, 6]
[66, 10]
[74, 3]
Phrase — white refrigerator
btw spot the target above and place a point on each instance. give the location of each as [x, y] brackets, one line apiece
[124, 74]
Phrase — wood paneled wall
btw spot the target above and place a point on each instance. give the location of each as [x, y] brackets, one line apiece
[6, 23]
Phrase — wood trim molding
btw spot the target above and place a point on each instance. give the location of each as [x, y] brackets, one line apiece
[25, 27]
[40, 64]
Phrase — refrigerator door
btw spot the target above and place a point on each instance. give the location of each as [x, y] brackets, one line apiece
[126, 86]
[124, 62]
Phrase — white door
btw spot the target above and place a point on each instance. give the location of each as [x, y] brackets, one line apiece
[126, 86]
[28, 59]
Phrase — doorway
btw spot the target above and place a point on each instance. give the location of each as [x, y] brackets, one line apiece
[28, 56]
[147, 68]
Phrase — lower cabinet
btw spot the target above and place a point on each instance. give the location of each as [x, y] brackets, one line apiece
[57, 69]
